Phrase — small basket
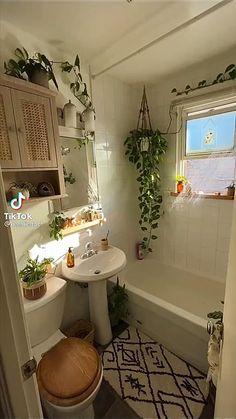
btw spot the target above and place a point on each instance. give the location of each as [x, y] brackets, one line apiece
[82, 329]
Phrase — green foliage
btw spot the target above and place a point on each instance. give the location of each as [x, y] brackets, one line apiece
[147, 165]
[56, 226]
[69, 178]
[34, 271]
[216, 315]
[228, 74]
[117, 303]
[180, 178]
[78, 87]
[24, 65]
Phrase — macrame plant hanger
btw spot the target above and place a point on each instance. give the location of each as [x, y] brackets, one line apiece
[144, 121]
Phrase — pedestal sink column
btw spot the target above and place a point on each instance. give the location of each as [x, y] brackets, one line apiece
[98, 307]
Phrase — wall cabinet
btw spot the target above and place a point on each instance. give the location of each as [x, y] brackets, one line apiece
[29, 133]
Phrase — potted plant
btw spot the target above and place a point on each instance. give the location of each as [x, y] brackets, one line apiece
[231, 189]
[181, 180]
[38, 68]
[33, 278]
[117, 303]
[26, 188]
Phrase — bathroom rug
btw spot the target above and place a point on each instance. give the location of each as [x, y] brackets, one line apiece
[153, 381]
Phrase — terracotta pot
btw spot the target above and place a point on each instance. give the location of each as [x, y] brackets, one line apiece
[40, 77]
[35, 291]
[180, 187]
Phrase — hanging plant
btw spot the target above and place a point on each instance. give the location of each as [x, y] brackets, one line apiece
[57, 224]
[78, 87]
[228, 74]
[145, 149]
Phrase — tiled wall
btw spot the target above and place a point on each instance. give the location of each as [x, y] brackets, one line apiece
[116, 106]
[193, 235]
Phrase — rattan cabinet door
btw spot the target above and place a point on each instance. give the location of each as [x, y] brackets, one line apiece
[34, 129]
[9, 150]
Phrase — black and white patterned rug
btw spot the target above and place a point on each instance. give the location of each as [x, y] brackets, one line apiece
[152, 380]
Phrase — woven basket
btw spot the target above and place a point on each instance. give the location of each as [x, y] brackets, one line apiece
[82, 329]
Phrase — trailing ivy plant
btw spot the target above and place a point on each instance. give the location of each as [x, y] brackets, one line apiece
[78, 87]
[145, 148]
[57, 225]
[228, 74]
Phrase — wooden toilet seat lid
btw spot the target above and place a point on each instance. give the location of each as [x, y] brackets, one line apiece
[69, 372]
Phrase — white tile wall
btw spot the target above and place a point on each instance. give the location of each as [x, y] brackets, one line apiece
[115, 104]
[193, 235]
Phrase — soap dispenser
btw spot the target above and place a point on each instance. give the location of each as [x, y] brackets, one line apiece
[70, 260]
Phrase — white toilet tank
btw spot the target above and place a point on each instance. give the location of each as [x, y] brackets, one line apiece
[44, 315]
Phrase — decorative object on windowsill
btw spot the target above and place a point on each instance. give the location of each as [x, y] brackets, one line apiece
[231, 189]
[38, 68]
[26, 188]
[228, 74]
[117, 303]
[145, 148]
[33, 278]
[181, 181]
[45, 189]
[78, 87]
[70, 115]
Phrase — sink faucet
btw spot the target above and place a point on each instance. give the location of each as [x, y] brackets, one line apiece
[89, 251]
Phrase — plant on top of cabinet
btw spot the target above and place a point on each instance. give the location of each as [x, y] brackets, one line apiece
[145, 149]
[38, 68]
[78, 87]
[33, 278]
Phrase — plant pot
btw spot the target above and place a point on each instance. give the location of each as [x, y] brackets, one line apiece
[35, 291]
[14, 192]
[180, 187]
[231, 191]
[39, 77]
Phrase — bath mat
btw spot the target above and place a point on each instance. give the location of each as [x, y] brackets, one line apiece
[152, 380]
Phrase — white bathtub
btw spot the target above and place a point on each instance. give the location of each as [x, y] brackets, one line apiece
[171, 306]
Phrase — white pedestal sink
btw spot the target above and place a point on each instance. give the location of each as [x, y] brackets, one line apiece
[95, 271]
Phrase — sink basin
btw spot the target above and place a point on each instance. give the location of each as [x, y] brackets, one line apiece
[103, 265]
[95, 270]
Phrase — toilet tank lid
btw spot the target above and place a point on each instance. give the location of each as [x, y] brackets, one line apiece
[55, 286]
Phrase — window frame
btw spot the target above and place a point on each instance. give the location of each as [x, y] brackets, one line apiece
[198, 106]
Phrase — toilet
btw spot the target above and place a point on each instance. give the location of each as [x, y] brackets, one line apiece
[69, 371]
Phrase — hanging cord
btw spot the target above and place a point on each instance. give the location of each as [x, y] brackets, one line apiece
[170, 122]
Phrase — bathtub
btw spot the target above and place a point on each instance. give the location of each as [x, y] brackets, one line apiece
[171, 305]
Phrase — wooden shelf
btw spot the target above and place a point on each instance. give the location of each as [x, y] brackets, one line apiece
[75, 229]
[204, 196]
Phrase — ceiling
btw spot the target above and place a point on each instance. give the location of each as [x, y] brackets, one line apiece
[139, 41]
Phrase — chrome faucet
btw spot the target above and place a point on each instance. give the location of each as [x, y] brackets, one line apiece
[89, 251]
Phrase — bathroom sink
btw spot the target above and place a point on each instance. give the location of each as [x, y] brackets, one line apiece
[100, 266]
[95, 270]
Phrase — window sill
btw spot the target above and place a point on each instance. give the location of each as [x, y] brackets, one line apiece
[204, 196]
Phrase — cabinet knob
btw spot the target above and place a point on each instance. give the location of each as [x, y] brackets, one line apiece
[19, 130]
[10, 129]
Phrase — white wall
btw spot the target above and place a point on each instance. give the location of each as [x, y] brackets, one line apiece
[193, 236]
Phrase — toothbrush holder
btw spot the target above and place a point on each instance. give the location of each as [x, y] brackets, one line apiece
[104, 244]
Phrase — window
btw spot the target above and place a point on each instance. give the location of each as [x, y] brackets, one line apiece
[208, 146]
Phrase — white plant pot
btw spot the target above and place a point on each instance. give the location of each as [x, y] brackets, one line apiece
[89, 120]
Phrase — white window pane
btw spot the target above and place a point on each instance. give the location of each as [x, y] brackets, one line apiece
[210, 175]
